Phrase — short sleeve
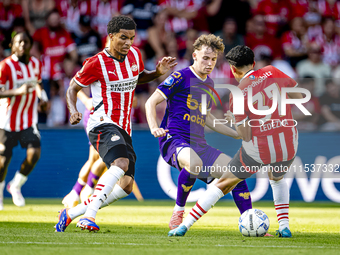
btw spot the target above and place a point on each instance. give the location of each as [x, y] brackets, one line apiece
[170, 84]
[287, 81]
[141, 63]
[239, 118]
[87, 74]
[4, 69]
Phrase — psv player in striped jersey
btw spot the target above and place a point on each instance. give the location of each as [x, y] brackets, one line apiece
[113, 75]
[270, 144]
[20, 87]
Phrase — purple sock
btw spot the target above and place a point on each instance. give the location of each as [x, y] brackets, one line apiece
[78, 187]
[92, 179]
[184, 186]
[242, 197]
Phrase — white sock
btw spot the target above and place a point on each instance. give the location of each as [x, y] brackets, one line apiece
[281, 202]
[81, 182]
[203, 205]
[116, 194]
[179, 208]
[18, 180]
[103, 189]
[78, 210]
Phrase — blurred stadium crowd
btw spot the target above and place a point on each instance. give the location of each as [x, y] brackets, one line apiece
[299, 37]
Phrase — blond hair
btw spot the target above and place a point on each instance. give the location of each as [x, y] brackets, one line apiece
[210, 40]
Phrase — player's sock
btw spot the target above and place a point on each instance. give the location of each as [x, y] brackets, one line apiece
[78, 186]
[185, 183]
[179, 208]
[92, 179]
[242, 197]
[18, 180]
[116, 194]
[103, 189]
[281, 202]
[203, 205]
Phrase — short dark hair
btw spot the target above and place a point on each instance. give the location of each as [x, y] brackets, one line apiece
[240, 56]
[120, 22]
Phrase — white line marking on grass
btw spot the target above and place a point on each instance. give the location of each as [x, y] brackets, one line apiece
[141, 244]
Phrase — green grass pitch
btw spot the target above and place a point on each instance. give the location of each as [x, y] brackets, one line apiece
[131, 227]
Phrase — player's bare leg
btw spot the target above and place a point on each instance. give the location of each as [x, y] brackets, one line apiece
[5, 159]
[72, 198]
[14, 186]
[240, 193]
[104, 187]
[215, 192]
[281, 201]
[190, 163]
[96, 171]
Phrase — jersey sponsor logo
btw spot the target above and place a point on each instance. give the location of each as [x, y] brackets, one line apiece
[169, 81]
[123, 87]
[113, 72]
[115, 138]
[19, 73]
[252, 77]
[134, 68]
[168, 136]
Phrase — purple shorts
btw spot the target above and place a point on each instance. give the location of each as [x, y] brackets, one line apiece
[86, 117]
[208, 154]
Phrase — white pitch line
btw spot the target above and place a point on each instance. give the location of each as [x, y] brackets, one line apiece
[217, 245]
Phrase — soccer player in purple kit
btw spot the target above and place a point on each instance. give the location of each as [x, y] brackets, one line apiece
[181, 133]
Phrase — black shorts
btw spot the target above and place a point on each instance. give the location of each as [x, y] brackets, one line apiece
[112, 142]
[243, 166]
[28, 138]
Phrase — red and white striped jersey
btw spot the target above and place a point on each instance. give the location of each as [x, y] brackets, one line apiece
[273, 138]
[113, 87]
[19, 112]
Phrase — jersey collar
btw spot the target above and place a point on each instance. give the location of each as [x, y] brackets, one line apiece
[110, 56]
[246, 75]
[15, 58]
[193, 71]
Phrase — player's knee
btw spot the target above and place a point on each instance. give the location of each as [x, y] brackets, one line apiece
[122, 163]
[34, 155]
[196, 166]
[5, 152]
[128, 188]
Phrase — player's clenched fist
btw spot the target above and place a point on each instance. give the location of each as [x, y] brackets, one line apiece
[159, 132]
[75, 118]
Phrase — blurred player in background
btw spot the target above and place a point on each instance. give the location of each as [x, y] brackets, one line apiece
[20, 87]
[181, 133]
[113, 75]
[275, 145]
[91, 170]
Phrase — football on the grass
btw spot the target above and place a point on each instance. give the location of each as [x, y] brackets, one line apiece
[253, 222]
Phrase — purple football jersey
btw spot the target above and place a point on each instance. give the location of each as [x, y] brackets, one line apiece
[183, 91]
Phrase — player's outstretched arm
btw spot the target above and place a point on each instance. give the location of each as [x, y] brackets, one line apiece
[163, 66]
[24, 89]
[71, 100]
[150, 108]
[243, 130]
[220, 127]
